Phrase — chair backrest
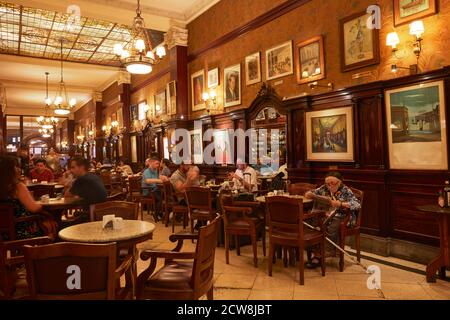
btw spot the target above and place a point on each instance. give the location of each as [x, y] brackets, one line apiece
[71, 271]
[203, 268]
[359, 194]
[42, 189]
[225, 200]
[118, 196]
[286, 214]
[134, 184]
[7, 223]
[199, 198]
[301, 188]
[122, 209]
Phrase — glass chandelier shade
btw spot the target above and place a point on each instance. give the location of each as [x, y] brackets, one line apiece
[138, 56]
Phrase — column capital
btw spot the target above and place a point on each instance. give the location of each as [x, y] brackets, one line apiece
[97, 96]
[176, 36]
[123, 77]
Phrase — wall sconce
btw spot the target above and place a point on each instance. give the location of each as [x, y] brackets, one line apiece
[315, 85]
[210, 100]
[416, 29]
[80, 138]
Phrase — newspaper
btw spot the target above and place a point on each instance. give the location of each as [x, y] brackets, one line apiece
[322, 204]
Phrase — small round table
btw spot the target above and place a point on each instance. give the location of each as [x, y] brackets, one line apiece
[442, 261]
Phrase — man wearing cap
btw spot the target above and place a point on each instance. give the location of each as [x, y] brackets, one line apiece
[341, 198]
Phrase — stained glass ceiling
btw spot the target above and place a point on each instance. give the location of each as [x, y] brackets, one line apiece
[37, 33]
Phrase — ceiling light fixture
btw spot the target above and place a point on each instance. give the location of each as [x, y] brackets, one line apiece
[62, 105]
[47, 122]
[138, 56]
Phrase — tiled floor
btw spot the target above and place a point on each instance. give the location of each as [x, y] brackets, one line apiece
[240, 280]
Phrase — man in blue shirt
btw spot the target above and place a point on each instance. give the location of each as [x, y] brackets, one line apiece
[150, 179]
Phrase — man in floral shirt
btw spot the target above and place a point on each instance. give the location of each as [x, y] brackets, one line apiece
[341, 198]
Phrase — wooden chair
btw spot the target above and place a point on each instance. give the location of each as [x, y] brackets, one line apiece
[301, 188]
[348, 231]
[286, 229]
[178, 280]
[149, 201]
[200, 205]
[42, 189]
[50, 269]
[170, 204]
[118, 196]
[107, 179]
[239, 221]
[122, 209]
[134, 188]
[11, 258]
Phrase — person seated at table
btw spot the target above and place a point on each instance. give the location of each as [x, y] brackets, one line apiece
[181, 179]
[238, 177]
[53, 161]
[150, 179]
[341, 198]
[124, 168]
[87, 187]
[164, 167]
[67, 179]
[17, 194]
[146, 164]
[41, 172]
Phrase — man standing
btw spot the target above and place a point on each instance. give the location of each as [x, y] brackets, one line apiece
[41, 172]
[150, 178]
[87, 186]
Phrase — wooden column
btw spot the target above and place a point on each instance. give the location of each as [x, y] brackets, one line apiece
[179, 72]
[2, 130]
[70, 136]
[125, 94]
[99, 140]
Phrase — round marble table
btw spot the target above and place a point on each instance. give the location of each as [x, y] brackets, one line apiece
[131, 233]
[305, 200]
[442, 261]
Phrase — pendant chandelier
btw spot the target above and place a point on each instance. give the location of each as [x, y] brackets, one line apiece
[138, 56]
[62, 105]
[46, 133]
[47, 122]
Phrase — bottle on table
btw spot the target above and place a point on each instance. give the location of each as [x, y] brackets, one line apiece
[446, 194]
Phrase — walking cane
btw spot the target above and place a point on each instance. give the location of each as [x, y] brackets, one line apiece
[380, 293]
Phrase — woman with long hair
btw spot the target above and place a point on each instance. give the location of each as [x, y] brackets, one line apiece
[13, 191]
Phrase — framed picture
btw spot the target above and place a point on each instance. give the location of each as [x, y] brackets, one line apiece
[409, 10]
[310, 60]
[329, 135]
[166, 147]
[253, 69]
[196, 146]
[160, 104]
[133, 149]
[213, 78]
[171, 98]
[134, 112]
[359, 44]
[222, 147]
[279, 62]
[416, 127]
[142, 110]
[197, 88]
[232, 85]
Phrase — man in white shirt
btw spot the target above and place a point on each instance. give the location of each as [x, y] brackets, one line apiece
[245, 176]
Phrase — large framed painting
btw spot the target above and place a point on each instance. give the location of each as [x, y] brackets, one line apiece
[253, 69]
[142, 110]
[416, 127]
[134, 114]
[160, 104]
[359, 44]
[196, 146]
[197, 88]
[222, 147]
[213, 78]
[310, 60]
[171, 92]
[409, 10]
[329, 135]
[232, 85]
[279, 62]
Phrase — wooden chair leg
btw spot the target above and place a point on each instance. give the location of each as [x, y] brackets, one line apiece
[227, 248]
[142, 211]
[174, 216]
[270, 260]
[358, 246]
[322, 253]
[341, 254]
[210, 294]
[238, 245]
[185, 223]
[301, 265]
[255, 248]
[285, 257]
[264, 240]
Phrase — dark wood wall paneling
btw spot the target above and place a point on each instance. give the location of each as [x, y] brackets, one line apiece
[391, 196]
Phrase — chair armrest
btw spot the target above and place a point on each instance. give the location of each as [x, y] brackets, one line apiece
[183, 236]
[34, 217]
[124, 266]
[19, 244]
[147, 254]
